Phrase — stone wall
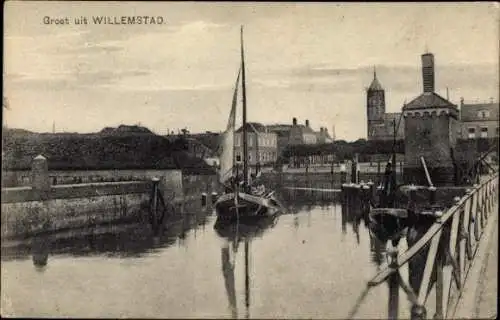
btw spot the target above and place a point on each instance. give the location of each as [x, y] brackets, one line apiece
[42, 207]
[23, 177]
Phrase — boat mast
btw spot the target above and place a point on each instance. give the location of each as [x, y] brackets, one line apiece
[243, 91]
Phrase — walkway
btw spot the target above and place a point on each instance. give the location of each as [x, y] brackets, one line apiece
[486, 300]
[479, 298]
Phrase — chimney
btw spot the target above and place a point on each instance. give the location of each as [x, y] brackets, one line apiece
[321, 129]
[307, 123]
[294, 121]
[428, 72]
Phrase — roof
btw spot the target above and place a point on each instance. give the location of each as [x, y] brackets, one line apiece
[253, 127]
[375, 85]
[473, 112]
[305, 129]
[428, 100]
[279, 127]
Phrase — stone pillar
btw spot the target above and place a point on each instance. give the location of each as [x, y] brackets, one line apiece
[40, 181]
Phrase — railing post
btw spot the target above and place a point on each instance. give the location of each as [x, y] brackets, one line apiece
[418, 312]
[439, 282]
[393, 285]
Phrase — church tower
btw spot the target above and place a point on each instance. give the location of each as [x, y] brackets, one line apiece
[375, 106]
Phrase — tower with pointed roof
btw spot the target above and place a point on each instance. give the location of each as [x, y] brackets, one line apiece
[375, 106]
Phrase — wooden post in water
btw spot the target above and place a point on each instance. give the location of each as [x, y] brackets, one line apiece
[354, 170]
[432, 195]
[154, 204]
[343, 173]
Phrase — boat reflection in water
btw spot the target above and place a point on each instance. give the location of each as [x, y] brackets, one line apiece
[234, 234]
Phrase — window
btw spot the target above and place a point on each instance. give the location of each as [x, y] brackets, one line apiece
[472, 133]
[483, 114]
[484, 132]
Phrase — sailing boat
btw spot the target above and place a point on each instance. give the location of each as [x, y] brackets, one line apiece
[240, 200]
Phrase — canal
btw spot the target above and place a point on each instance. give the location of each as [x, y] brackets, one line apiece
[312, 262]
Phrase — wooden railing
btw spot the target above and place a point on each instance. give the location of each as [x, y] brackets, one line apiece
[448, 247]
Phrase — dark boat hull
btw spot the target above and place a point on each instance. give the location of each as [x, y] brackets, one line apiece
[246, 206]
[387, 223]
[247, 229]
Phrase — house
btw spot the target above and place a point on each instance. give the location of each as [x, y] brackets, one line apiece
[262, 144]
[479, 120]
[298, 134]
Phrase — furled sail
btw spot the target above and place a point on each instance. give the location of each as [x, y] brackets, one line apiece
[227, 155]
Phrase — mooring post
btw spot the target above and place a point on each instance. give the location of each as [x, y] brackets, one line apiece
[40, 181]
[370, 185]
[343, 174]
[154, 203]
[354, 171]
[432, 195]
[203, 199]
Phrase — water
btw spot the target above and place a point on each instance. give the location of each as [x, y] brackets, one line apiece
[313, 262]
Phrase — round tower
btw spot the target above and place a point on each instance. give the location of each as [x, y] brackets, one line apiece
[375, 106]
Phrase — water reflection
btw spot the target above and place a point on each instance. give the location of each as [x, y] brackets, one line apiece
[123, 240]
[307, 272]
[233, 234]
[377, 249]
[40, 248]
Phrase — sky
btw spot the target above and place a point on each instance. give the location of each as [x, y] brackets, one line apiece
[305, 60]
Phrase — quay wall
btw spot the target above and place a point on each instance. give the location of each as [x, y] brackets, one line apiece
[42, 207]
[20, 178]
[314, 179]
[27, 218]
